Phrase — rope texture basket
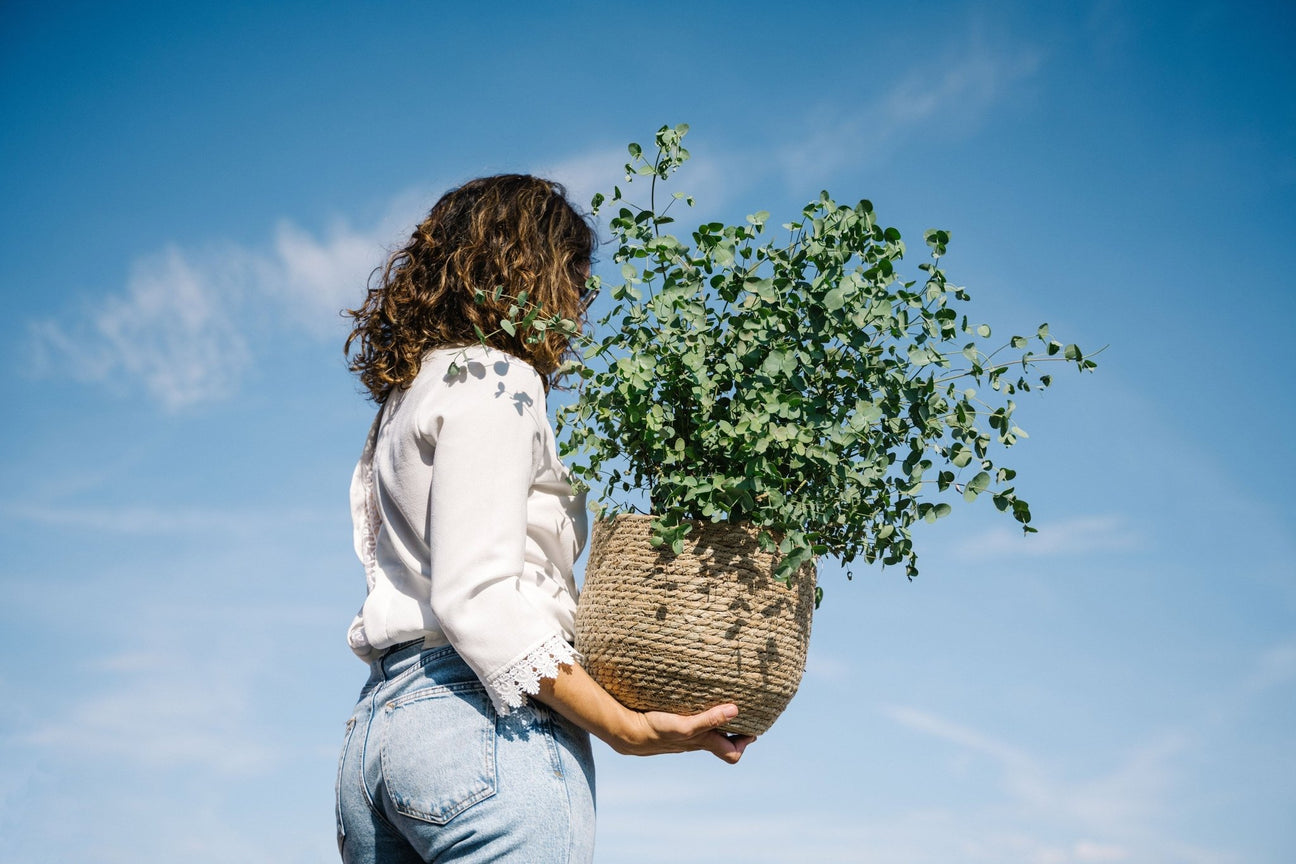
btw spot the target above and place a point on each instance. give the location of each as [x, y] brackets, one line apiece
[682, 633]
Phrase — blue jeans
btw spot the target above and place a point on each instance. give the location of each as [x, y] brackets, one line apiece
[430, 772]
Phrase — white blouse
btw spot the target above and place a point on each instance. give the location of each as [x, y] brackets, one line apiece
[467, 525]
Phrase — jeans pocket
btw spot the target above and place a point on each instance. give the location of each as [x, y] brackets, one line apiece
[438, 751]
[337, 789]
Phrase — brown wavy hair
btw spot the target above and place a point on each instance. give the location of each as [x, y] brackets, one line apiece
[511, 231]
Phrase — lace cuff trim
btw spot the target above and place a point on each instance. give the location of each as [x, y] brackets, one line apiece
[509, 687]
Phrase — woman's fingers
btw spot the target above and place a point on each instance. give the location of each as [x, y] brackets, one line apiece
[669, 726]
[729, 747]
[678, 732]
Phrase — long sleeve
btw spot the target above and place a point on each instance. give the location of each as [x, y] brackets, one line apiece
[487, 429]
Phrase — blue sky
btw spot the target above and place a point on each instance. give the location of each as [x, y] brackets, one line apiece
[192, 192]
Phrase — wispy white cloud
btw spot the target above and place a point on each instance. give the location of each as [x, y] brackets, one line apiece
[1275, 667]
[1109, 816]
[705, 179]
[145, 520]
[1126, 810]
[171, 328]
[584, 174]
[315, 277]
[955, 92]
[938, 727]
[1087, 850]
[164, 711]
[183, 325]
[1270, 669]
[1077, 536]
[828, 667]
[648, 792]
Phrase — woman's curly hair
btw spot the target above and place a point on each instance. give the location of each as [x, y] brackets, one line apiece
[514, 232]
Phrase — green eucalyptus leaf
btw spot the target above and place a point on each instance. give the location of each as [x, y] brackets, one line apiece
[835, 299]
[976, 486]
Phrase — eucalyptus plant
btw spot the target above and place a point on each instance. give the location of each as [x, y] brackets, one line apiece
[791, 379]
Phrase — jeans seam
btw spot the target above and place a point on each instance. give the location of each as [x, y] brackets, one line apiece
[567, 796]
[555, 753]
[364, 756]
[549, 721]
[346, 751]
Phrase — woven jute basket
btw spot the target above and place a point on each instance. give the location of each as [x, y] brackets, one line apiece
[682, 633]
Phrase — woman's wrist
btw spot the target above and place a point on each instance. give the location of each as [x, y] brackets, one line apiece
[579, 698]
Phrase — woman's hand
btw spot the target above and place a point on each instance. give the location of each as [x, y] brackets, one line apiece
[581, 700]
[654, 732]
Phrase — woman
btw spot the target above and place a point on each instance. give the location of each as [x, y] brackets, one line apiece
[470, 740]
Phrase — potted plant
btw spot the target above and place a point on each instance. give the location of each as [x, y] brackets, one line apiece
[754, 398]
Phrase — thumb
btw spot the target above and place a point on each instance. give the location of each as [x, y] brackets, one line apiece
[712, 718]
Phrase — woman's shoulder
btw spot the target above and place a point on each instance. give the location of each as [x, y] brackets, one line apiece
[481, 363]
[474, 378]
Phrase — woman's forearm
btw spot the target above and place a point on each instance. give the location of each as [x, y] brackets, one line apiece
[579, 698]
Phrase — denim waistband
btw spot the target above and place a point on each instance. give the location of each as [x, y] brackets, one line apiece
[400, 658]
